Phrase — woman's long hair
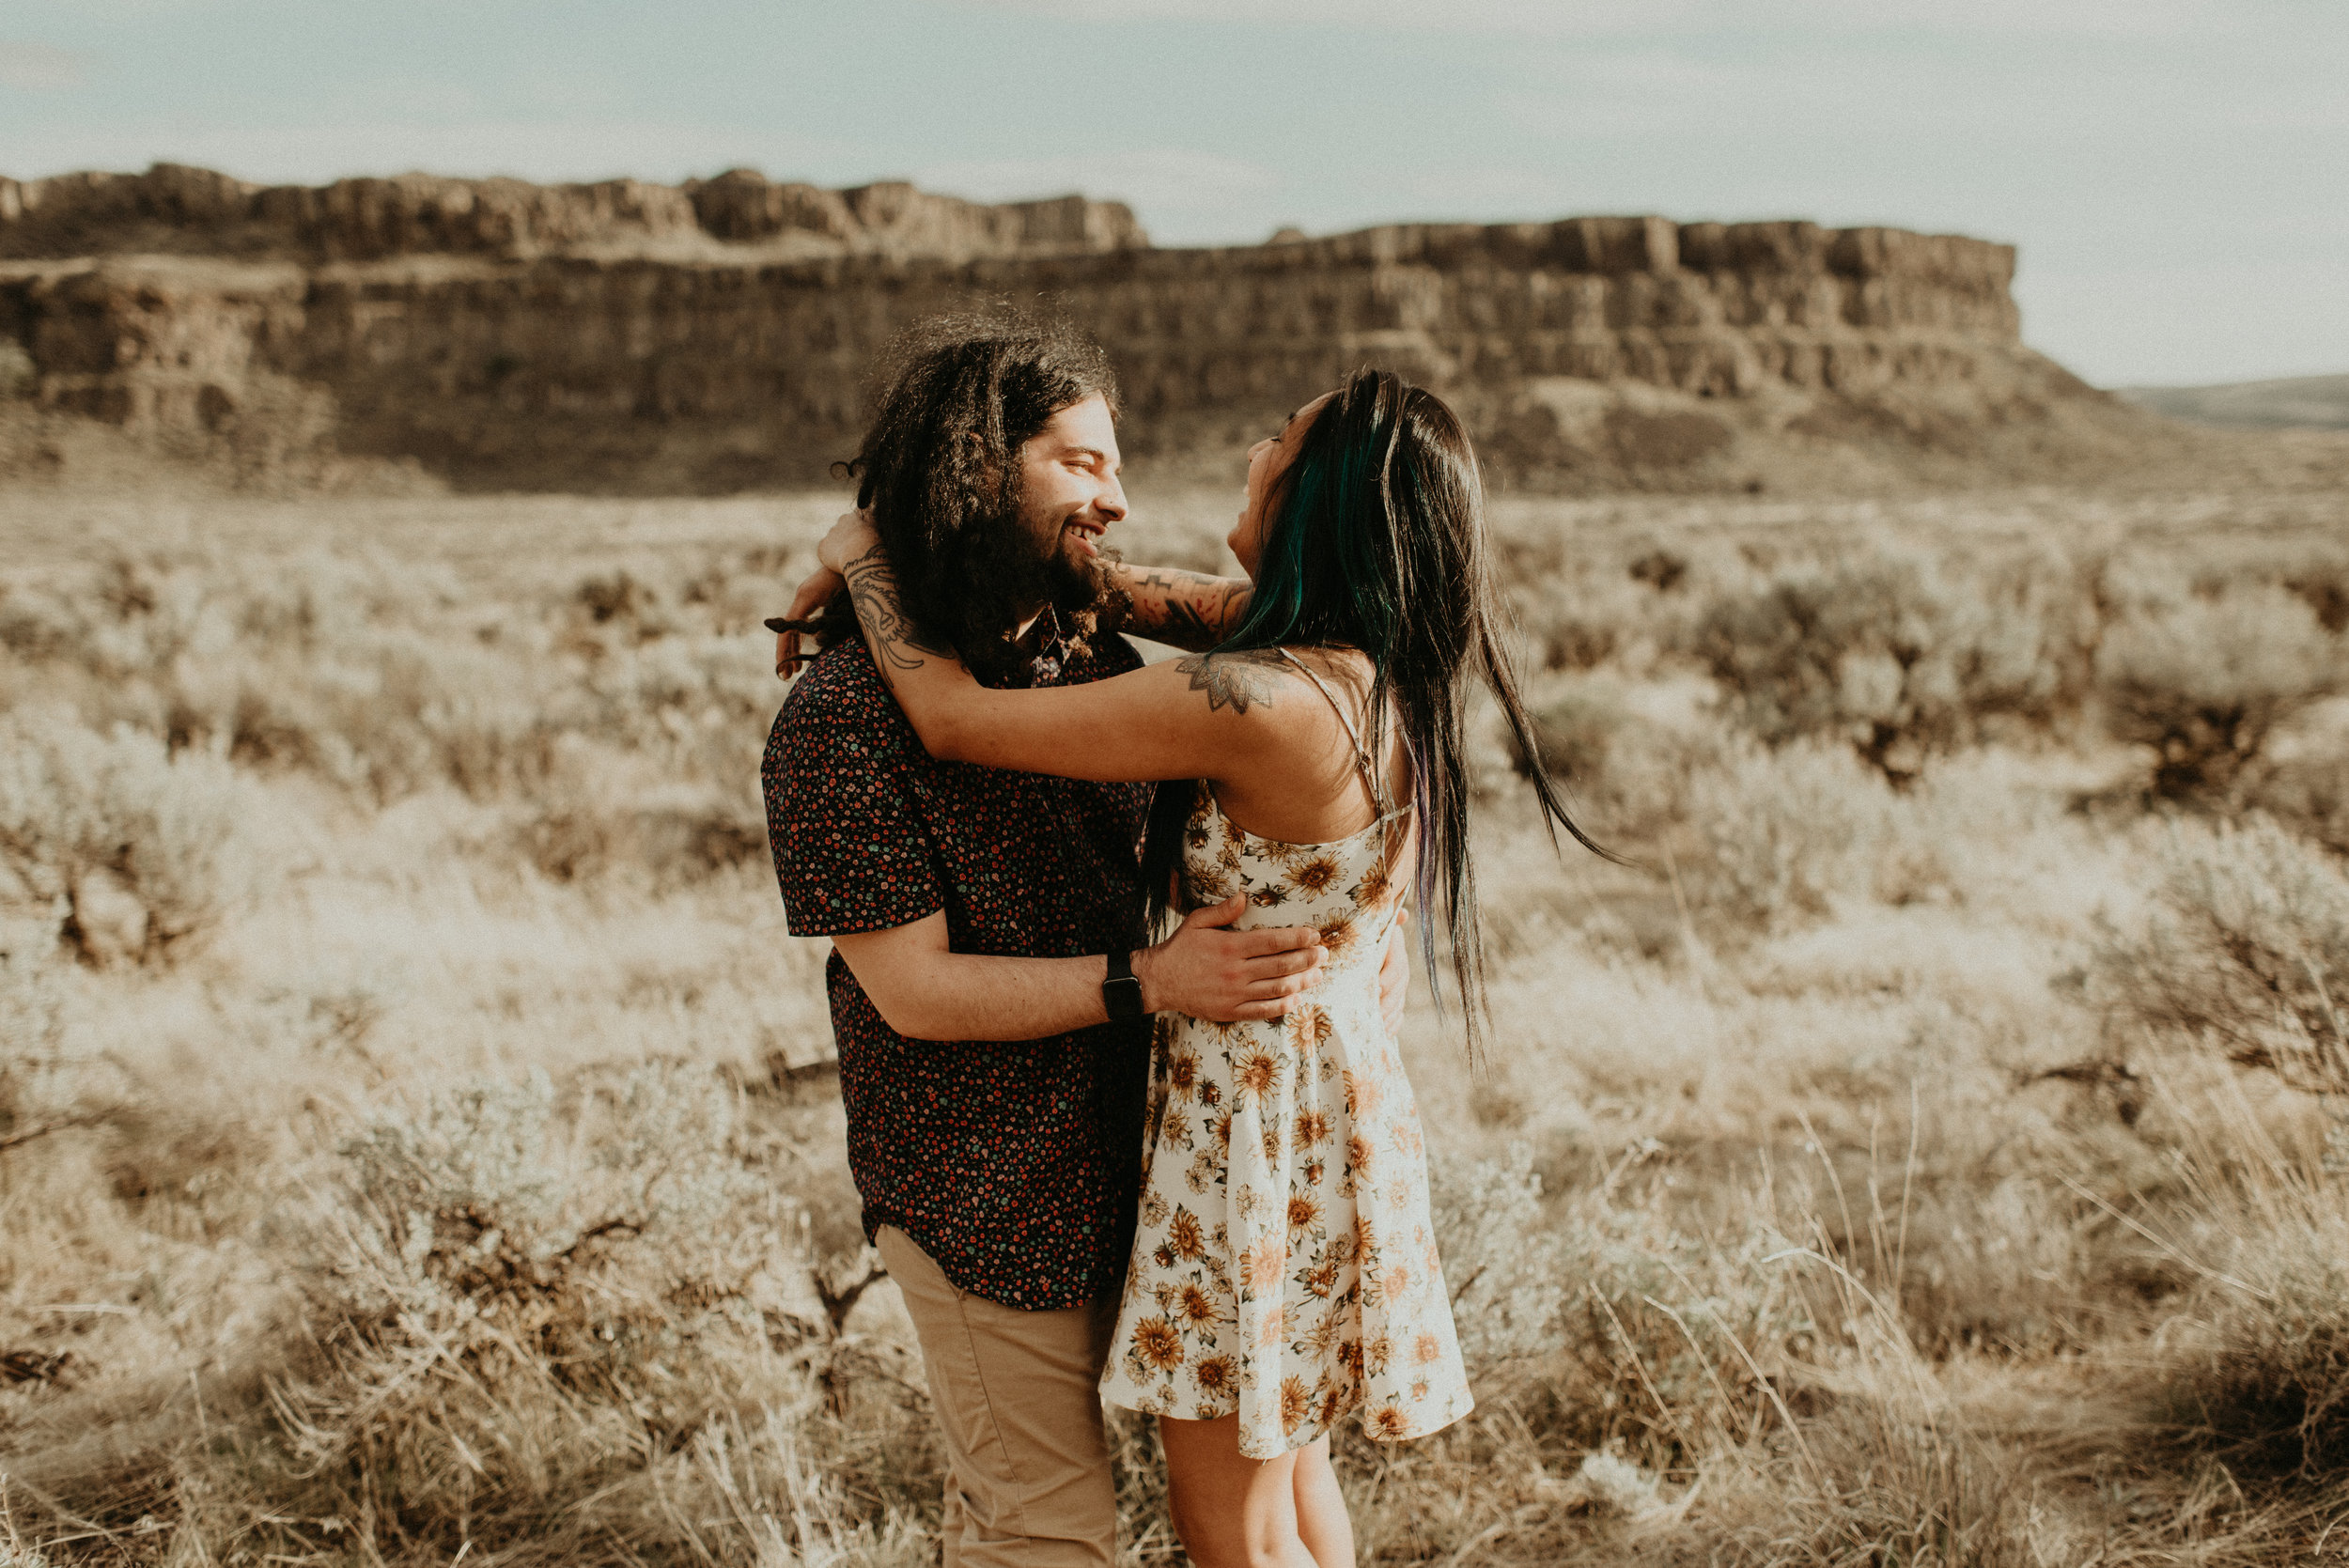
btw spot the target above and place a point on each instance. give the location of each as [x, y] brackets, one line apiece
[940, 470]
[1376, 541]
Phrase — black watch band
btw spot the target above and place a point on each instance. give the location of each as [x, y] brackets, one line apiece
[1121, 993]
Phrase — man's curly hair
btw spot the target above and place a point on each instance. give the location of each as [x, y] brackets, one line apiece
[940, 470]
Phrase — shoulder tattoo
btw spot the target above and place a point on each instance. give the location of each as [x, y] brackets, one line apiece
[1235, 679]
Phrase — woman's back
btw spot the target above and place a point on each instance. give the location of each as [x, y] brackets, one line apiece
[1308, 785]
[1285, 1267]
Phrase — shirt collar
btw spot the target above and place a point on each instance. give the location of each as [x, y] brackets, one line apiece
[1052, 652]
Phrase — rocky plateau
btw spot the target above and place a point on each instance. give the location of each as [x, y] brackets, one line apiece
[717, 335]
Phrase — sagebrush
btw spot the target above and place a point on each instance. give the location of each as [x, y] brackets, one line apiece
[417, 1140]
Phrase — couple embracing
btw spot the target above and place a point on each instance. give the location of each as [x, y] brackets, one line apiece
[1179, 1173]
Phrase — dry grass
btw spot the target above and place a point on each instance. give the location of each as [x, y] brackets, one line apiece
[407, 1150]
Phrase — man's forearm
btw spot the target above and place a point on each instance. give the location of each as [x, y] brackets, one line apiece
[1186, 609]
[965, 996]
[1204, 969]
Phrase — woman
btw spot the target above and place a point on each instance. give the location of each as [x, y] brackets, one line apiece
[1284, 1274]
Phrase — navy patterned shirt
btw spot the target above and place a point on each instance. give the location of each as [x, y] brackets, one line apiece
[1016, 1164]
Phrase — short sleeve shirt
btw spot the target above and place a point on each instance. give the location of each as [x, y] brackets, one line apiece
[1016, 1164]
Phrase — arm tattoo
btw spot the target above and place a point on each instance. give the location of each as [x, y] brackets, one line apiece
[1188, 626]
[1234, 680]
[1189, 609]
[888, 631]
[1231, 605]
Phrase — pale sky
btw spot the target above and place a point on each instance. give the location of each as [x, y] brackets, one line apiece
[2176, 171]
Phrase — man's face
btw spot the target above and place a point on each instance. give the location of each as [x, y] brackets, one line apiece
[1069, 489]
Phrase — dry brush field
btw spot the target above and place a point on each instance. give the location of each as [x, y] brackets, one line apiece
[415, 1143]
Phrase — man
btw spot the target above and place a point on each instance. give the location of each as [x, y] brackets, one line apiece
[993, 1053]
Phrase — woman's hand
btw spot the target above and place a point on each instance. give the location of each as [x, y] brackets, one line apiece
[851, 537]
[806, 604]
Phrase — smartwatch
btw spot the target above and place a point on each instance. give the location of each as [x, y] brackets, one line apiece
[1121, 993]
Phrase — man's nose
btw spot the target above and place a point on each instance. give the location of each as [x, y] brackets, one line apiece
[1110, 503]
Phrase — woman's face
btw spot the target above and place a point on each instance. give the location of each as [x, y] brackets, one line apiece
[1267, 461]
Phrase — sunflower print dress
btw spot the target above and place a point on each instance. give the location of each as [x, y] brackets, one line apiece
[1285, 1264]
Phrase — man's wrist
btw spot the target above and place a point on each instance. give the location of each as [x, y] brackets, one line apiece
[1145, 968]
[1121, 989]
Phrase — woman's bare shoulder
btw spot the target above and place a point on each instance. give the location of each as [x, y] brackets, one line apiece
[1348, 668]
[1245, 680]
[1250, 680]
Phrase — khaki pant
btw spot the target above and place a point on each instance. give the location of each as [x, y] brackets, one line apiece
[1019, 1399]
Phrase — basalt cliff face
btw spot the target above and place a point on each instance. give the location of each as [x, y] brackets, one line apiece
[174, 210]
[718, 335]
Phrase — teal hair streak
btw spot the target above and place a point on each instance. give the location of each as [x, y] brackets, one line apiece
[1339, 510]
[1321, 524]
[1376, 543]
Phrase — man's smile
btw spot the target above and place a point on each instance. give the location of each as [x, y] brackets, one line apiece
[1086, 532]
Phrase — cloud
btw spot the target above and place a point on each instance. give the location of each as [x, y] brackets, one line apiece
[1166, 180]
[39, 68]
[1597, 19]
[1857, 98]
[1447, 192]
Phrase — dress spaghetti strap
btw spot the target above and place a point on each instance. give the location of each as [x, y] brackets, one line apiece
[1361, 758]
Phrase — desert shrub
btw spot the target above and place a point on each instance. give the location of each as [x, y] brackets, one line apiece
[524, 1294]
[1637, 1329]
[1874, 1480]
[2245, 949]
[1678, 1343]
[383, 702]
[1576, 732]
[678, 842]
[1506, 1269]
[2323, 582]
[351, 668]
[145, 849]
[17, 1552]
[1766, 1368]
[772, 1491]
[1569, 628]
[2204, 682]
[388, 680]
[603, 812]
[2265, 1373]
[1783, 835]
[1897, 656]
[29, 1041]
[620, 597]
[2307, 790]
[1582, 604]
[1627, 752]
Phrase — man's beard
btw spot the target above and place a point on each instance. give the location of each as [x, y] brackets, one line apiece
[1051, 575]
[1014, 575]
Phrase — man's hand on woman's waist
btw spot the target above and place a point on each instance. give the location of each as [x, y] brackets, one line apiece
[927, 991]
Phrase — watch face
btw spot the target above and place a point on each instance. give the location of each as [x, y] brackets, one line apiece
[1123, 997]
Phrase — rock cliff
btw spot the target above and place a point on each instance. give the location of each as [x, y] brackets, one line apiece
[717, 335]
[173, 210]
